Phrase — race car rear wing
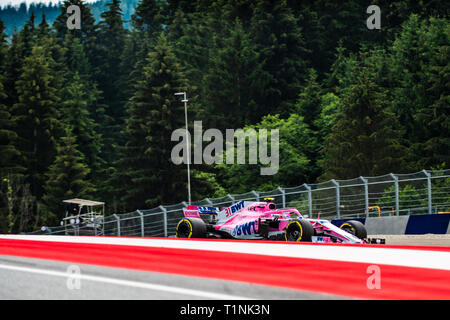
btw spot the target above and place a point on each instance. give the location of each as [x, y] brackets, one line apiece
[195, 211]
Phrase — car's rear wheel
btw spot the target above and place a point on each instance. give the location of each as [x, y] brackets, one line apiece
[191, 228]
[299, 230]
[355, 228]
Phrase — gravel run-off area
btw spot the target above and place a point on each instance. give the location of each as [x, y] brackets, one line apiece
[416, 239]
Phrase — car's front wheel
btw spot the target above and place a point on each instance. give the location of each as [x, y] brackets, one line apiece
[299, 230]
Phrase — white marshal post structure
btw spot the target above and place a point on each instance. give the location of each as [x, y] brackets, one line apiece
[188, 145]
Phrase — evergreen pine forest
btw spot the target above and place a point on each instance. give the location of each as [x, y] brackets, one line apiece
[89, 113]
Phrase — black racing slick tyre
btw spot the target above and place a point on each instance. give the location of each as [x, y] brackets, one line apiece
[299, 230]
[355, 228]
[191, 228]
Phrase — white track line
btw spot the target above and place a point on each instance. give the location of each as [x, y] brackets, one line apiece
[135, 284]
[373, 255]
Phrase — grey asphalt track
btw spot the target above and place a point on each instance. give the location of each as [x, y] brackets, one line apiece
[30, 279]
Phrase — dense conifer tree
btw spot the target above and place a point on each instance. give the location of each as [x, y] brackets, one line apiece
[8, 151]
[66, 178]
[21, 44]
[420, 70]
[235, 80]
[148, 175]
[149, 18]
[43, 28]
[111, 45]
[283, 53]
[365, 141]
[76, 117]
[36, 117]
[87, 34]
[308, 103]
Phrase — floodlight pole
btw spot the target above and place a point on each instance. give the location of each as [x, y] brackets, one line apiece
[185, 100]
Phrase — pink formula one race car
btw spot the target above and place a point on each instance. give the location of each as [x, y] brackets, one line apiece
[262, 220]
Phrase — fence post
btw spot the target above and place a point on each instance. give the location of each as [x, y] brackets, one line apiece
[309, 199]
[118, 224]
[256, 195]
[142, 222]
[429, 189]
[397, 205]
[209, 201]
[164, 211]
[283, 196]
[338, 199]
[231, 197]
[366, 195]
